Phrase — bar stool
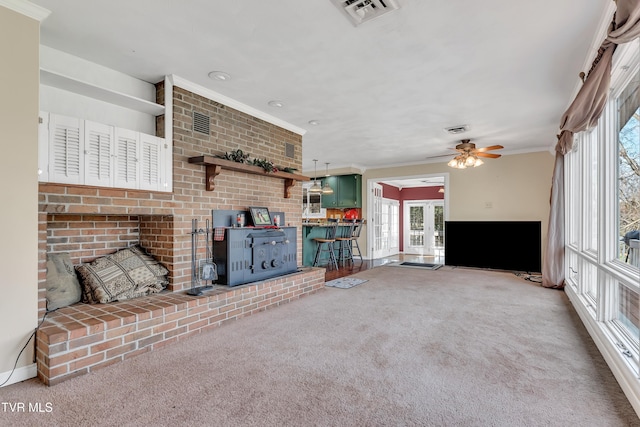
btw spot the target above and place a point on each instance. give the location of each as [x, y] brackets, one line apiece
[325, 245]
[344, 236]
[355, 234]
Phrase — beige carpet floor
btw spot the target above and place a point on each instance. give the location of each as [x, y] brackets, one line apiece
[410, 347]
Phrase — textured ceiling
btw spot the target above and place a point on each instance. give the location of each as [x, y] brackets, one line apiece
[383, 92]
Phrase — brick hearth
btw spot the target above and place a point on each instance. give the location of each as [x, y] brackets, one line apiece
[81, 338]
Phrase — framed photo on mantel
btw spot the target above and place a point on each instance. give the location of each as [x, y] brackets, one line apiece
[260, 216]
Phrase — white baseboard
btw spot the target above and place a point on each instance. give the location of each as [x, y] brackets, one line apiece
[20, 374]
[629, 382]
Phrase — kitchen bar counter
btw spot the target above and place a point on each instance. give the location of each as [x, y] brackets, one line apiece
[311, 230]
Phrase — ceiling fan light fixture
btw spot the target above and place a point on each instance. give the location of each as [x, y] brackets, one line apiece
[469, 155]
[458, 162]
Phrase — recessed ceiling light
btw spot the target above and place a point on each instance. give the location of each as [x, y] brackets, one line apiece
[276, 103]
[314, 122]
[219, 75]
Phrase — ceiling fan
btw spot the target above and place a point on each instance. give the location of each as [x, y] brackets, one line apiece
[470, 156]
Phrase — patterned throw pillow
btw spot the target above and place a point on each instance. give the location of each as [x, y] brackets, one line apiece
[128, 273]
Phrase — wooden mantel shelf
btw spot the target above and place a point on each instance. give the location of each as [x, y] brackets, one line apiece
[215, 165]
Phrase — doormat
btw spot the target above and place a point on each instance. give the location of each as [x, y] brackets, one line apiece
[345, 282]
[428, 266]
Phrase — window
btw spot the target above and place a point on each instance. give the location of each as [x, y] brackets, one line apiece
[438, 225]
[588, 276]
[602, 196]
[572, 180]
[628, 179]
[590, 202]
[628, 310]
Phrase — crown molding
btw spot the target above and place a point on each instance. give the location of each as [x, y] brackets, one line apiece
[26, 8]
[215, 96]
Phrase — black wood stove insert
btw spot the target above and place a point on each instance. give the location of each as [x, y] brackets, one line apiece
[249, 254]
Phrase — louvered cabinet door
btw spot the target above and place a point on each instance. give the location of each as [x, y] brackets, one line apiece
[127, 156]
[66, 135]
[98, 156]
[150, 159]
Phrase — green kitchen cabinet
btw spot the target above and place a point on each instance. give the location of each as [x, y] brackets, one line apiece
[347, 191]
[330, 200]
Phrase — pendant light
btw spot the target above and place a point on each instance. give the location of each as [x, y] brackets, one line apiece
[327, 188]
[315, 188]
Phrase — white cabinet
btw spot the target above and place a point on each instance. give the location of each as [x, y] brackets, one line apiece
[98, 154]
[66, 146]
[75, 151]
[152, 162]
[127, 153]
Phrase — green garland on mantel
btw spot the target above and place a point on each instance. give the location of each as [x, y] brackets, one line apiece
[240, 156]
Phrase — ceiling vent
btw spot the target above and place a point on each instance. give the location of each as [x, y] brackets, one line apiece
[457, 129]
[359, 11]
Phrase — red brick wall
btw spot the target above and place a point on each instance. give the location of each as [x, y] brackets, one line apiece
[163, 220]
[87, 237]
[156, 235]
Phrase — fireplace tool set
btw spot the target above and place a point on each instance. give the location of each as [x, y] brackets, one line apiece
[203, 271]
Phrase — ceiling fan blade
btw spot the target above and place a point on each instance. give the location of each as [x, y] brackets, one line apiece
[488, 155]
[492, 147]
[442, 155]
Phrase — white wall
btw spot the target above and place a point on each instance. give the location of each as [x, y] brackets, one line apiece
[18, 191]
[517, 187]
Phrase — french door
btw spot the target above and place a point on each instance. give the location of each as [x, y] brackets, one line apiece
[423, 227]
[385, 221]
[389, 228]
[375, 221]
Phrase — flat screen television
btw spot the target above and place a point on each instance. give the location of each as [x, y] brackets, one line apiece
[260, 216]
[500, 245]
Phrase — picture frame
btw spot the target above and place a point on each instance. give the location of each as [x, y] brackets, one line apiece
[260, 216]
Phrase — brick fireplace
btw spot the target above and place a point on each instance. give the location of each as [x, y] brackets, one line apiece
[89, 222]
